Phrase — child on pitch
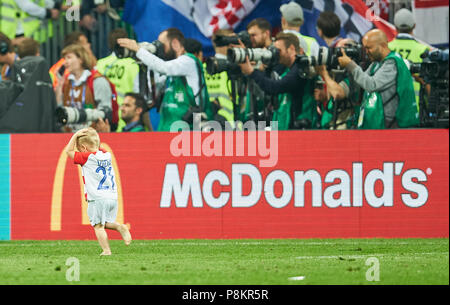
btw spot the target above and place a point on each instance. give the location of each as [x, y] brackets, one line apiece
[99, 185]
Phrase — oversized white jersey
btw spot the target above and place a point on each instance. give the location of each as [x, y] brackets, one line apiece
[98, 174]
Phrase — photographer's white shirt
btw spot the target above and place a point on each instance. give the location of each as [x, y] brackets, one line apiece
[181, 66]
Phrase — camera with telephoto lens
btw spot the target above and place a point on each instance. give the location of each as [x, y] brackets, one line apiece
[434, 103]
[328, 57]
[415, 68]
[223, 41]
[156, 47]
[433, 66]
[354, 51]
[270, 56]
[216, 65]
[70, 115]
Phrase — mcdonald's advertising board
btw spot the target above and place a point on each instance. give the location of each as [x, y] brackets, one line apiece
[295, 184]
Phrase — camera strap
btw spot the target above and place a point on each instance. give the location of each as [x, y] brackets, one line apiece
[201, 83]
[153, 86]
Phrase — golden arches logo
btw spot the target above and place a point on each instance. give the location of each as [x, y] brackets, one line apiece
[58, 185]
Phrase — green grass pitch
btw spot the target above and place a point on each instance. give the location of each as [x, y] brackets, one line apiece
[228, 262]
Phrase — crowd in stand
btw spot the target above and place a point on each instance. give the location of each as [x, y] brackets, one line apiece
[146, 87]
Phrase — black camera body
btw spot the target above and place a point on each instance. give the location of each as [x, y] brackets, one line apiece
[223, 41]
[434, 106]
[156, 47]
[328, 57]
[434, 65]
[355, 52]
[216, 65]
[269, 56]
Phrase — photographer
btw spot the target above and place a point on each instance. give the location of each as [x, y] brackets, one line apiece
[339, 94]
[122, 72]
[260, 34]
[290, 87]
[186, 92]
[388, 100]
[58, 70]
[218, 77]
[260, 31]
[195, 47]
[83, 89]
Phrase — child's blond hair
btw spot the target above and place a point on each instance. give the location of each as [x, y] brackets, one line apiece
[91, 140]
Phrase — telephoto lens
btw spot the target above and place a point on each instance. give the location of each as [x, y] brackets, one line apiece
[237, 55]
[216, 65]
[306, 61]
[71, 115]
[415, 68]
[269, 56]
[156, 47]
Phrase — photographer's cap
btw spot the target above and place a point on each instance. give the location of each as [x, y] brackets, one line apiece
[404, 19]
[292, 12]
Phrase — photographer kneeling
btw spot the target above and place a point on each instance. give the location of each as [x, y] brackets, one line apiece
[290, 87]
[389, 99]
[186, 91]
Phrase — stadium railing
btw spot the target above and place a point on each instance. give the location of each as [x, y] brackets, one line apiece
[51, 49]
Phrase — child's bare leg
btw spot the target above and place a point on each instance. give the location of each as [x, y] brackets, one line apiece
[122, 229]
[102, 238]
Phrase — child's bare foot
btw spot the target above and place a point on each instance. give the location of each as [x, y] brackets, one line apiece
[105, 253]
[123, 230]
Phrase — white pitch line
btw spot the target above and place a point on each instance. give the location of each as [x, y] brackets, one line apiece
[368, 255]
[290, 242]
[281, 243]
[297, 278]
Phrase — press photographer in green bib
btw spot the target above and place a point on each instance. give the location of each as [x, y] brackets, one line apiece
[186, 92]
[388, 99]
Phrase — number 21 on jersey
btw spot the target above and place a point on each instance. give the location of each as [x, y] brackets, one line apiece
[107, 174]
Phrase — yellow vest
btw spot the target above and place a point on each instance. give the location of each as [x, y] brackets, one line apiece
[309, 41]
[122, 73]
[74, 2]
[11, 14]
[217, 85]
[9, 18]
[409, 49]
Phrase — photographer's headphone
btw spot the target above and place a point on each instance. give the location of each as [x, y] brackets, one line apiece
[4, 47]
